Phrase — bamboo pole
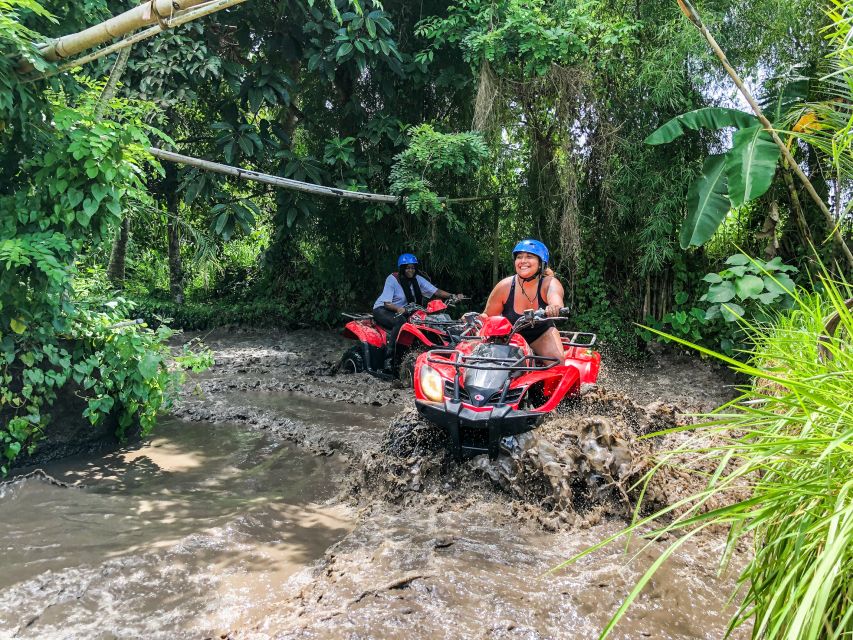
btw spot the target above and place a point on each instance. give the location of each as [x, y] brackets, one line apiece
[179, 18]
[157, 12]
[276, 181]
[297, 185]
[690, 12]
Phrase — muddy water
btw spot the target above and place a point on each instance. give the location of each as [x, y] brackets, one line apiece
[475, 571]
[416, 545]
[191, 533]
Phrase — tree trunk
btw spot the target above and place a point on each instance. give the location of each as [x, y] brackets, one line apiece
[112, 84]
[496, 239]
[176, 271]
[768, 231]
[118, 255]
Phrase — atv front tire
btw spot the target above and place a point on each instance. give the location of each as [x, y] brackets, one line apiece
[407, 367]
[353, 361]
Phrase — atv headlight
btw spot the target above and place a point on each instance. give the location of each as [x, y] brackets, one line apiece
[432, 386]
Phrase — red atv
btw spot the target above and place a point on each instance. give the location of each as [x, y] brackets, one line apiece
[491, 384]
[427, 328]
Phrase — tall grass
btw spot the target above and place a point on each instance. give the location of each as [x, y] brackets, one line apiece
[783, 465]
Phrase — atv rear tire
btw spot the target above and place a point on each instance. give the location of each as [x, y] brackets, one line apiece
[352, 362]
[407, 367]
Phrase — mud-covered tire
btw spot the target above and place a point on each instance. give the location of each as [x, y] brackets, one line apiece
[407, 367]
[352, 361]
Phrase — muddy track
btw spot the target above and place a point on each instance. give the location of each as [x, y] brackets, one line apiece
[438, 543]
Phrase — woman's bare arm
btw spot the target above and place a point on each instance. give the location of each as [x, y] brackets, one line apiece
[554, 297]
[497, 298]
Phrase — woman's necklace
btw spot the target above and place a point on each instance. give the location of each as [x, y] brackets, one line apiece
[529, 299]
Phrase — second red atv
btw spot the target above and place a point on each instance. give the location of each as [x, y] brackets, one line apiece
[427, 328]
[491, 384]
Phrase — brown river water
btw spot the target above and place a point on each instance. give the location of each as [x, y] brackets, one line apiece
[281, 502]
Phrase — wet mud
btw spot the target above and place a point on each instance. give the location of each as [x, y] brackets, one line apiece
[444, 549]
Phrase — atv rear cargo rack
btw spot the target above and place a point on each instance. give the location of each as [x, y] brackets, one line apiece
[357, 316]
[578, 339]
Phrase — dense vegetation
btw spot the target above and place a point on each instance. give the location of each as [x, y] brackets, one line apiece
[562, 96]
[608, 130]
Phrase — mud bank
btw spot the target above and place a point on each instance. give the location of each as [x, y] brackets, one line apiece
[462, 550]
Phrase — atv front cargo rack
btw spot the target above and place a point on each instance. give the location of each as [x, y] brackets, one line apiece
[475, 432]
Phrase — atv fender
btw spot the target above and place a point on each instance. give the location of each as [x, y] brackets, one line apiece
[410, 334]
[364, 332]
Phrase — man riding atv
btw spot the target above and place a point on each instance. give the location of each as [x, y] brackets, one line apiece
[402, 291]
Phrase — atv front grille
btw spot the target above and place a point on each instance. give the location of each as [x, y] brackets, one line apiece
[512, 396]
[448, 391]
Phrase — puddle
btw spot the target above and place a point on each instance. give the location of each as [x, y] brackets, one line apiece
[342, 418]
[191, 533]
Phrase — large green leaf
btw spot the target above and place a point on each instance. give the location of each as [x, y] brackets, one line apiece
[708, 118]
[707, 203]
[750, 164]
[722, 292]
[749, 287]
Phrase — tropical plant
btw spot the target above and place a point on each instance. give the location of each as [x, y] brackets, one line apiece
[70, 171]
[430, 158]
[826, 124]
[780, 462]
[750, 280]
[741, 174]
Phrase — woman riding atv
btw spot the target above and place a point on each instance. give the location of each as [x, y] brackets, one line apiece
[402, 290]
[534, 286]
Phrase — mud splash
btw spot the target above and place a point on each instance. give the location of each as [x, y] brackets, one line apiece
[572, 471]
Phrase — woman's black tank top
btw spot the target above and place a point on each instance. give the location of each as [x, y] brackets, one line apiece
[509, 306]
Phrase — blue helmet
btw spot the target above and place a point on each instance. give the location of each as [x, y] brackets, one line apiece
[529, 245]
[406, 258]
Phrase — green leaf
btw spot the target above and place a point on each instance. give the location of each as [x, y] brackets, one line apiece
[713, 278]
[768, 298]
[780, 283]
[738, 272]
[708, 118]
[732, 312]
[750, 164]
[749, 287]
[738, 259]
[90, 206]
[18, 325]
[722, 292]
[343, 50]
[149, 365]
[707, 202]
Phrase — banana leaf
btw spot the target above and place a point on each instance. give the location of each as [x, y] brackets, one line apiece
[750, 164]
[707, 202]
[708, 118]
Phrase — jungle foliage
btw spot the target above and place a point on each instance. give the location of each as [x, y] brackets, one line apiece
[538, 109]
